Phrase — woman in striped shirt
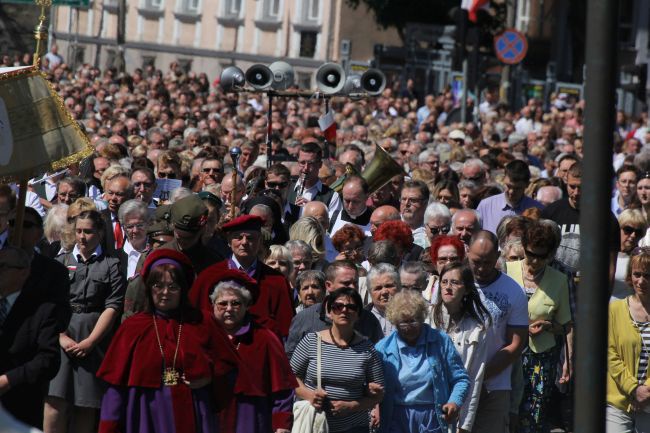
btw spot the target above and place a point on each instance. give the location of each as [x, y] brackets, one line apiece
[352, 374]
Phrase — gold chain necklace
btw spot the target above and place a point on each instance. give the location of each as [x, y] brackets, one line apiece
[170, 375]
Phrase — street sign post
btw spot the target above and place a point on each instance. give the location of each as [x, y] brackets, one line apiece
[510, 46]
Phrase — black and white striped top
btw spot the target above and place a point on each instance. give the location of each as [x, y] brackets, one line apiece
[345, 374]
[644, 330]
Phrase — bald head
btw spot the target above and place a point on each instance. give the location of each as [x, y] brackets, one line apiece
[381, 215]
[317, 210]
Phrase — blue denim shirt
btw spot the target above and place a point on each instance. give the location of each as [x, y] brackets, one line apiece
[450, 379]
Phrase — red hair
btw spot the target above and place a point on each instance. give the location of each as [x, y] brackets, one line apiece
[444, 240]
[347, 233]
[396, 231]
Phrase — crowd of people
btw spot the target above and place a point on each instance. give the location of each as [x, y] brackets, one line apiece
[163, 285]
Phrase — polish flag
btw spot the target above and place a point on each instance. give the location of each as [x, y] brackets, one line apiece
[328, 126]
[472, 6]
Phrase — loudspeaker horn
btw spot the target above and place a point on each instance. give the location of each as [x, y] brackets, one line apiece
[232, 79]
[259, 76]
[330, 78]
[373, 81]
[283, 75]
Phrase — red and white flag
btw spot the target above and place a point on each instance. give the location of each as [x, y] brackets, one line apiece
[472, 6]
[328, 126]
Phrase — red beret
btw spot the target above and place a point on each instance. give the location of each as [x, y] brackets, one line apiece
[244, 222]
[163, 256]
[236, 276]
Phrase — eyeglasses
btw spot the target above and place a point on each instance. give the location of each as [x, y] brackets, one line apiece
[410, 200]
[138, 226]
[337, 307]
[26, 224]
[171, 288]
[404, 326]
[278, 185]
[435, 230]
[413, 287]
[70, 195]
[223, 305]
[167, 175]
[357, 250]
[145, 185]
[628, 230]
[447, 259]
[450, 283]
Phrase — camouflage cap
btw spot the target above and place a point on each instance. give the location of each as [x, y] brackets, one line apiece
[189, 213]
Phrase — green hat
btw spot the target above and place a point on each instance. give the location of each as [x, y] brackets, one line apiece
[159, 228]
[162, 213]
[189, 213]
[207, 195]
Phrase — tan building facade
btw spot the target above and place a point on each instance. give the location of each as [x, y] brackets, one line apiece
[213, 34]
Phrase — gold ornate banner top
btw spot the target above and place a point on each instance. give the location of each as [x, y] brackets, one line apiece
[37, 132]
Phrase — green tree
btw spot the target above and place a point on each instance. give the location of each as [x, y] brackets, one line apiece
[397, 13]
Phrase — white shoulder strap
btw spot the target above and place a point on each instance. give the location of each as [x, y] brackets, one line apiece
[318, 362]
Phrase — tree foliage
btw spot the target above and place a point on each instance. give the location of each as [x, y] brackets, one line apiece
[397, 13]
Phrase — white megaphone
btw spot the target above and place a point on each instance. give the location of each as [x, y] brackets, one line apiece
[259, 77]
[282, 74]
[330, 78]
[373, 81]
[232, 79]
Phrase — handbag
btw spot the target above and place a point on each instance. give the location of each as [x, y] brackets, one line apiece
[306, 419]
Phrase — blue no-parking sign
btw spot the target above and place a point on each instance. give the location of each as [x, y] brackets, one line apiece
[510, 46]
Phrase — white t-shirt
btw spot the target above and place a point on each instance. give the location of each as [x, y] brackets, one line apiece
[509, 308]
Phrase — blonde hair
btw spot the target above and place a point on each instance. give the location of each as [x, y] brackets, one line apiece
[115, 170]
[67, 232]
[280, 252]
[406, 304]
[55, 222]
[309, 230]
[633, 217]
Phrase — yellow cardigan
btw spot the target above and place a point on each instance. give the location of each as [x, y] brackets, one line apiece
[623, 352]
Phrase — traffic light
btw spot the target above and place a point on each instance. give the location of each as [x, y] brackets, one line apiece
[636, 82]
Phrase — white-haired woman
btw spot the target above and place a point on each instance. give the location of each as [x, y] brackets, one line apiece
[426, 382]
[53, 227]
[134, 216]
[383, 283]
[633, 228]
[268, 408]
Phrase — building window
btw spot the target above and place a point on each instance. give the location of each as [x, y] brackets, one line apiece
[153, 4]
[308, 43]
[232, 8]
[271, 10]
[310, 11]
[190, 7]
[148, 61]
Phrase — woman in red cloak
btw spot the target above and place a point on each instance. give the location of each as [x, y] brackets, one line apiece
[268, 406]
[169, 368]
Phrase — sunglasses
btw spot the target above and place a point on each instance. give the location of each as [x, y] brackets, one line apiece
[26, 224]
[436, 230]
[212, 170]
[337, 307]
[532, 255]
[224, 304]
[279, 185]
[166, 175]
[628, 230]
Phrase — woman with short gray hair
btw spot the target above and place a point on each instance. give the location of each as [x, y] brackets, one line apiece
[437, 221]
[269, 408]
[134, 218]
[383, 283]
[310, 286]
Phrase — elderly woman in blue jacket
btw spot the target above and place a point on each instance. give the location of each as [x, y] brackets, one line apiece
[426, 382]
